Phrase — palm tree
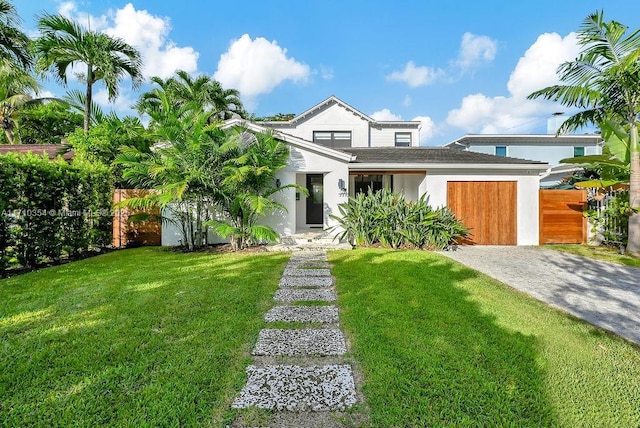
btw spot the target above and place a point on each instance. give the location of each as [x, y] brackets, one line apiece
[14, 44]
[604, 83]
[202, 93]
[64, 43]
[16, 88]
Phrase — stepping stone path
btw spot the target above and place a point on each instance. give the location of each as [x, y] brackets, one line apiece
[300, 374]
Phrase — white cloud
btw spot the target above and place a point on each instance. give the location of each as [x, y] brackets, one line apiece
[479, 113]
[384, 115]
[123, 104]
[326, 72]
[475, 50]
[256, 66]
[428, 128]
[407, 101]
[415, 76]
[146, 32]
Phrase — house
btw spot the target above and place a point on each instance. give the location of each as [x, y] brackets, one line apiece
[337, 151]
[547, 148]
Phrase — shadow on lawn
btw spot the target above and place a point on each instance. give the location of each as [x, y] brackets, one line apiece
[428, 353]
[138, 338]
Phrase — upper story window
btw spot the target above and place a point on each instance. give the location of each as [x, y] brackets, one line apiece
[403, 139]
[501, 150]
[333, 139]
[578, 151]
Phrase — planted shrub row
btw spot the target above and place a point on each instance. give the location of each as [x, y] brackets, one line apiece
[50, 207]
[386, 218]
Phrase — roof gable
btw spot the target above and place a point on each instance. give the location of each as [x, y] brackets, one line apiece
[291, 140]
[335, 101]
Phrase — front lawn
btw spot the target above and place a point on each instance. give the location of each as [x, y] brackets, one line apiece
[143, 337]
[441, 344]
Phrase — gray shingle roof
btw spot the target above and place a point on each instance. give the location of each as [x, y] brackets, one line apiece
[429, 155]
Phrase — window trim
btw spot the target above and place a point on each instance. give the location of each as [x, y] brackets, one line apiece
[330, 143]
[505, 151]
[404, 144]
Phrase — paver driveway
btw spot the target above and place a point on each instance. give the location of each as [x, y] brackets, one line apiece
[602, 293]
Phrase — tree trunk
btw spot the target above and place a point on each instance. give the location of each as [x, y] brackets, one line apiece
[9, 134]
[87, 101]
[633, 244]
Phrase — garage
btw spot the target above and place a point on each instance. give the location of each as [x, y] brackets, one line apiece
[488, 208]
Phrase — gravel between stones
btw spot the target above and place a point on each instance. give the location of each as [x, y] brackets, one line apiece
[301, 295]
[311, 281]
[297, 388]
[321, 314]
[305, 341]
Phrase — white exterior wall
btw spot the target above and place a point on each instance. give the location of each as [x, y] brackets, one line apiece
[386, 137]
[334, 118]
[409, 185]
[527, 197]
[551, 154]
[302, 162]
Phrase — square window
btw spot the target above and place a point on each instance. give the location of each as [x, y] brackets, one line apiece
[501, 151]
[578, 151]
[403, 139]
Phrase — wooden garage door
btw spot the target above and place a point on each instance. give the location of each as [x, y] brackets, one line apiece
[488, 208]
[561, 219]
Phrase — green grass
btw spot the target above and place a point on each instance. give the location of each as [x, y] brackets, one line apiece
[608, 254]
[442, 345]
[143, 337]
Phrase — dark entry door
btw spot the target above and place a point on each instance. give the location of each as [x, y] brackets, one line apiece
[315, 199]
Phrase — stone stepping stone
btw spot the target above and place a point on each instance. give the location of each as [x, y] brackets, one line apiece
[311, 257]
[306, 281]
[297, 388]
[322, 314]
[289, 271]
[305, 294]
[309, 264]
[305, 341]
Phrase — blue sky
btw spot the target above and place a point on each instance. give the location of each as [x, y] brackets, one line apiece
[459, 67]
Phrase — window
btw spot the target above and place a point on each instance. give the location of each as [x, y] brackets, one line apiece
[403, 139]
[501, 150]
[362, 182]
[578, 151]
[332, 139]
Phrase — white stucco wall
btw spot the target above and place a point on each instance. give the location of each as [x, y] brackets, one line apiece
[409, 185]
[527, 198]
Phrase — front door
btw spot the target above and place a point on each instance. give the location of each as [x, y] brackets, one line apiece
[315, 205]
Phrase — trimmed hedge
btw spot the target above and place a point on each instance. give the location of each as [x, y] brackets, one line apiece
[50, 207]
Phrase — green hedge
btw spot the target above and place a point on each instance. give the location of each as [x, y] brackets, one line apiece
[50, 207]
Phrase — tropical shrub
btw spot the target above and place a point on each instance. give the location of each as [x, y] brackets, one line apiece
[612, 222]
[51, 208]
[386, 218]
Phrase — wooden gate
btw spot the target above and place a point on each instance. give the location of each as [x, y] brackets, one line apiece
[488, 208]
[561, 216]
[127, 234]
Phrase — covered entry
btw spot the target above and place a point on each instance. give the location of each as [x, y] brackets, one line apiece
[488, 208]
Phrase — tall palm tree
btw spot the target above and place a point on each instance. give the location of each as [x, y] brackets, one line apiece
[16, 90]
[604, 82]
[64, 43]
[201, 92]
[14, 44]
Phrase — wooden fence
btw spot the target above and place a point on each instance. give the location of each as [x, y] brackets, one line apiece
[561, 216]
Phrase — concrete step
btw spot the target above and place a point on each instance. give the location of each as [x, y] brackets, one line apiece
[296, 271]
[305, 341]
[320, 314]
[298, 388]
